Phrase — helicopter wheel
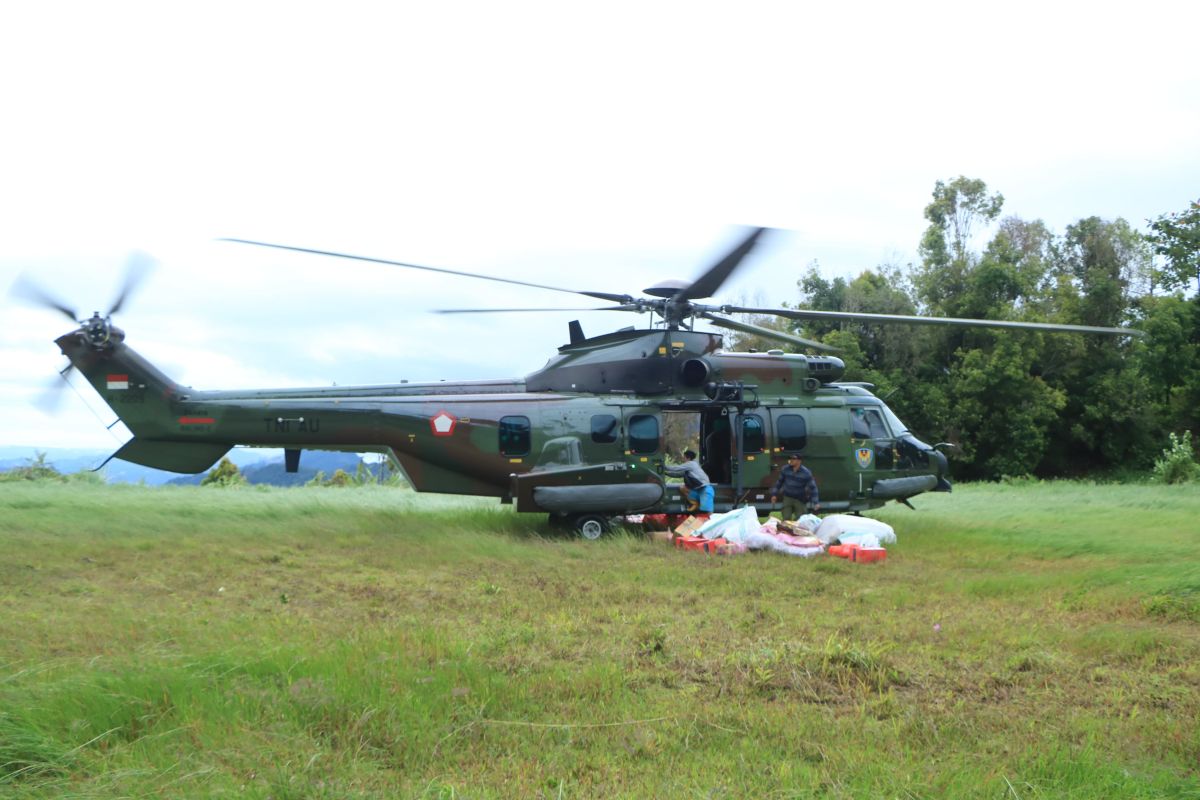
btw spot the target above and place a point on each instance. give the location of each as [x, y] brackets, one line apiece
[591, 526]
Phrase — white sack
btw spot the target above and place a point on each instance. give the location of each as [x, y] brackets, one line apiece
[765, 541]
[836, 527]
[860, 539]
[733, 526]
[810, 522]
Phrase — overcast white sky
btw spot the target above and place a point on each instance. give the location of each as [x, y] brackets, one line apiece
[594, 146]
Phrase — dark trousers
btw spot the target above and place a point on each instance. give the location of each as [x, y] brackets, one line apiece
[793, 508]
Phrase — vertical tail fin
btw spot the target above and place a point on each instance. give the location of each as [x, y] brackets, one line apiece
[144, 398]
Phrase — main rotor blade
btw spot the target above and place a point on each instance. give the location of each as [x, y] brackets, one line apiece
[26, 289]
[768, 333]
[710, 282]
[612, 298]
[506, 310]
[136, 269]
[860, 316]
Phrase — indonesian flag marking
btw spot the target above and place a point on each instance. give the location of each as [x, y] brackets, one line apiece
[196, 420]
[443, 423]
[118, 382]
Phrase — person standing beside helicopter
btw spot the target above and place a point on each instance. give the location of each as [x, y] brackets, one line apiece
[799, 489]
[697, 489]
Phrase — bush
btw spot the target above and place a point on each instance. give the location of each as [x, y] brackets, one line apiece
[224, 474]
[1178, 462]
[37, 469]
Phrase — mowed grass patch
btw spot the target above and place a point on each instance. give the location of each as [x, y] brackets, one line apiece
[376, 643]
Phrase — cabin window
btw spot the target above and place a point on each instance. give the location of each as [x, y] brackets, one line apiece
[792, 432]
[604, 429]
[643, 433]
[514, 436]
[753, 438]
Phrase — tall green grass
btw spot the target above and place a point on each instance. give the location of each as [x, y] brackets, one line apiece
[1032, 641]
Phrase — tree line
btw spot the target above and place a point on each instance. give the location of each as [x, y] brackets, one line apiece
[1024, 402]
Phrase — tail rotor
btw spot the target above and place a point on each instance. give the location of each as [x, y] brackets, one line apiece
[98, 329]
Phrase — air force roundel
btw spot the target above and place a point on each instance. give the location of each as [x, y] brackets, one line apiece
[443, 423]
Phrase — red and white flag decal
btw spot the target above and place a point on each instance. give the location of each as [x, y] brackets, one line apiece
[118, 381]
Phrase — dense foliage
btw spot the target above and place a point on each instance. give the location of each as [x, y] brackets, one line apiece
[1022, 402]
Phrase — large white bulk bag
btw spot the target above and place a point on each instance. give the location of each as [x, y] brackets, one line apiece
[852, 529]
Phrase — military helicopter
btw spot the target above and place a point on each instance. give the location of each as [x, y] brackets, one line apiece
[582, 438]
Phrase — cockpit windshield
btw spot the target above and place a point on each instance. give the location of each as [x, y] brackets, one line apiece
[898, 427]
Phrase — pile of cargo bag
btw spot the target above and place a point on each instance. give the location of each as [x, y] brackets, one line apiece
[857, 539]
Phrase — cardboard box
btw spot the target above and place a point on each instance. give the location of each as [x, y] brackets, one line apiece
[689, 525]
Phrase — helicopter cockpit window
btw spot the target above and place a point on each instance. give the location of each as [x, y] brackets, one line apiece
[875, 423]
[867, 423]
[753, 438]
[604, 429]
[792, 432]
[643, 433]
[514, 436]
[859, 429]
[897, 426]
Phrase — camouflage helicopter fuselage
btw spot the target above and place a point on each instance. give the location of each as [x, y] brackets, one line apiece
[583, 435]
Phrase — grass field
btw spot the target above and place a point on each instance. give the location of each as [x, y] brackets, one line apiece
[1020, 641]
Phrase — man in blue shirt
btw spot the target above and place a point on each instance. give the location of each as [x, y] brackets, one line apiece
[696, 487]
[798, 487]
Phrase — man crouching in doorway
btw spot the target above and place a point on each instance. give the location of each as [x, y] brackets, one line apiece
[697, 490]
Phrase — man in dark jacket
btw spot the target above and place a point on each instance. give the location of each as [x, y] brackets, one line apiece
[696, 487]
[798, 487]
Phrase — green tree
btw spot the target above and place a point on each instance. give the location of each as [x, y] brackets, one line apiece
[224, 474]
[821, 295]
[1013, 273]
[958, 209]
[1002, 410]
[1109, 419]
[1177, 238]
[1169, 357]
[1108, 262]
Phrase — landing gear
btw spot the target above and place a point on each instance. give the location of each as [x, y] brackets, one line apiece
[589, 526]
[592, 526]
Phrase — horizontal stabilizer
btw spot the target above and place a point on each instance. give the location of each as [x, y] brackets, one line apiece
[173, 456]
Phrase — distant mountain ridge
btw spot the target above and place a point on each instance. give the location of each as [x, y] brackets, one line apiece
[274, 473]
[260, 466]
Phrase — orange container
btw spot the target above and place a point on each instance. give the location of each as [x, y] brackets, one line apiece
[842, 550]
[690, 542]
[714, 545]
[867, 555]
